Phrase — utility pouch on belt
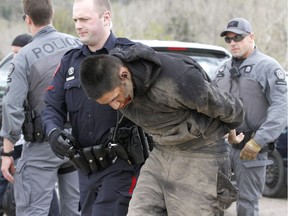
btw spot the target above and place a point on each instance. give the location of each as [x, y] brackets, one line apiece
[90, 158]
[131, 143]
[32, 127]
[135, 147]
[79, 163]
[100, 156]
[38, 133]
[28, 124]
[118, 150]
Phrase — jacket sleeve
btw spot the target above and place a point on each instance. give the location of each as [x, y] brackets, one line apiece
[274, 83]
[205, 97]
[12, 104]
[54, 114]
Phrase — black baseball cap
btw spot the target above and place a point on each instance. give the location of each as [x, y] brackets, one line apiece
[21, 40]
[237, 26]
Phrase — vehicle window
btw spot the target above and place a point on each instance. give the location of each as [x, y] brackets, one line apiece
[208, 59]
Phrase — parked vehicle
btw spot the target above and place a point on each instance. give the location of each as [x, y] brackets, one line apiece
[210, 57]
[276, 175]
[4, 70]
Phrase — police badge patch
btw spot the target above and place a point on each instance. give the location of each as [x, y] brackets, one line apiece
[221, 71]
[70, 74]
[280, 75]
[11, 70]
[248, 69]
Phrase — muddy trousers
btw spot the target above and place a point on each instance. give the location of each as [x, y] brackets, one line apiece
[178, 183]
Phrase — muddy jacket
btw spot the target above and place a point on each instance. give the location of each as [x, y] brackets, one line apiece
[31, 72]
[262, 87]
[174, 101]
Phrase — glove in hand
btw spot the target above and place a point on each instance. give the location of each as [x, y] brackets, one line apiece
[250, 150]
[59, 143]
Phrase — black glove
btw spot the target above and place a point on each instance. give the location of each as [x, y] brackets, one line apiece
[59, 144]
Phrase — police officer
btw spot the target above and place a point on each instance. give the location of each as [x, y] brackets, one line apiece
[261, 84]
[30, 74]
[6, 195]
[106, 183]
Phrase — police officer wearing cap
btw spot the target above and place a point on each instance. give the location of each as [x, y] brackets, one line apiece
[260, 82]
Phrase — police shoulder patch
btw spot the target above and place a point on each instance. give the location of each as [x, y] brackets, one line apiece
[222, 68]
[70, 76]
[248, 69]
[280, 75]
[11, 69]
[220, 72]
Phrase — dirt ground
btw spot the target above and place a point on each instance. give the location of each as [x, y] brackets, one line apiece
[268, 207]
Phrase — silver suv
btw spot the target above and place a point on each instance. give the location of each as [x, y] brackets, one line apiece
[210, 57]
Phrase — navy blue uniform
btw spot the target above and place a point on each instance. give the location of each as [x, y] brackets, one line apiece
[102, 192]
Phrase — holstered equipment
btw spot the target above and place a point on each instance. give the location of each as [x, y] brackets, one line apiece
[32, 127]
[130, 144]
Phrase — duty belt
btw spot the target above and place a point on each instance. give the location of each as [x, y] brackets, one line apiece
[94, 158]
[130, 144]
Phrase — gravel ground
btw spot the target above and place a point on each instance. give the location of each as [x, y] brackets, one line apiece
[268, 207]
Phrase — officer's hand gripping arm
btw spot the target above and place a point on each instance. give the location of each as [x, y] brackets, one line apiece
[59, 143]
[250, 150]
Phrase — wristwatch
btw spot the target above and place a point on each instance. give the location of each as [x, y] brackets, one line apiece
[8, 154]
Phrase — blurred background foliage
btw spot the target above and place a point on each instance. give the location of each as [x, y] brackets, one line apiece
[186, 20]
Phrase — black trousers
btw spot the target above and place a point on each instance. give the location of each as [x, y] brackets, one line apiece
[108, 192]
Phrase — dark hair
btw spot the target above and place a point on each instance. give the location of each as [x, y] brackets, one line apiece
[40, 11]
[21, 40]
[99, 74]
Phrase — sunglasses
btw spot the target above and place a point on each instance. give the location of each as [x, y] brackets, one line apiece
[24, 17]
[236, 38]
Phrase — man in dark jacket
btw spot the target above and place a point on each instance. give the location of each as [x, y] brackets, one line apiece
[173, 100]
